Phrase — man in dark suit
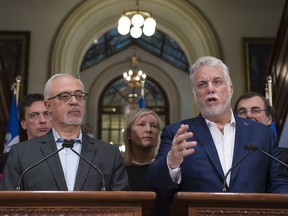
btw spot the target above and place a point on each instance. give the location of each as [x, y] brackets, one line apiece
[34, 118]
[65, 100]
[196, 154]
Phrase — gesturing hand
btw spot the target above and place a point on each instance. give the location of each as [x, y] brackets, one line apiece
[180, 147]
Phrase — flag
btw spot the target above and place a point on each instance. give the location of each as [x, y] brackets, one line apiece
[141, 99]
[141, 102]
[273, 126]
[12, 131]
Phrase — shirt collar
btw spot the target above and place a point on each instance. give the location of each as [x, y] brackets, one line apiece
[59, 139]
[232, 121]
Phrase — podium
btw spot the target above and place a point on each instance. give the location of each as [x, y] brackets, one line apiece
[200, 204]
[76, 203]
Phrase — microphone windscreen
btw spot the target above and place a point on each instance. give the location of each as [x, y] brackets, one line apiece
[68, 143]
[250, 147]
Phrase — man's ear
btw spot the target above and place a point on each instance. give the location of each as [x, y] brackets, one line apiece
[232, 89]
[23, 124]
[270, 120]
[47, 104]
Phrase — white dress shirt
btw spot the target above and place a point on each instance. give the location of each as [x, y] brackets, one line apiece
[224, 144]
[69, 160]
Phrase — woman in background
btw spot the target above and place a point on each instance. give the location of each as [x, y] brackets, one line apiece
[141, 139]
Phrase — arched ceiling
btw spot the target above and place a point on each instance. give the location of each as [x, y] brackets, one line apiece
[161, 45]
[93, 18]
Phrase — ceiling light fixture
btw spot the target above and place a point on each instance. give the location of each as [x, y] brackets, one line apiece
[136, 21]
[134, 76]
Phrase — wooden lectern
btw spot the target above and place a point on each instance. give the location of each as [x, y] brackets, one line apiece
[200, 204]
[76, 203]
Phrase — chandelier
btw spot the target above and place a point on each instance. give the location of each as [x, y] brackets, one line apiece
[135, 77]
[136, 21]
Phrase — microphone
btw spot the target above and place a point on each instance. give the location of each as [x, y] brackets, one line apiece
[18, 187]
[224, 188]
[70, 144]
[256, 148]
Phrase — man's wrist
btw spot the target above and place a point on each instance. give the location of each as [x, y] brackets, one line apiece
[170, 164]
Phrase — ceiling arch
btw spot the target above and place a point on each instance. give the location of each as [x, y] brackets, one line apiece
[92, 18]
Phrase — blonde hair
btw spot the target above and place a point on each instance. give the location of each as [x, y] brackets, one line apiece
[133, 116]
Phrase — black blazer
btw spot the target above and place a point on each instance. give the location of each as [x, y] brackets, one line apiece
[49, 176]
[3, 159]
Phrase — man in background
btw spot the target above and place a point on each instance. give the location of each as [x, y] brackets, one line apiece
[34, 118]
[254, 106]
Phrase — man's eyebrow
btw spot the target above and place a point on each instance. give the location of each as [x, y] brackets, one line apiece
[34, 113]
[256, 107]
[242, 108]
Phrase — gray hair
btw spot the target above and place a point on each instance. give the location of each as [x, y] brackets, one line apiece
[209, 61]
[48, 85]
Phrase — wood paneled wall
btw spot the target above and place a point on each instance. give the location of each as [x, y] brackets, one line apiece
[278, 69]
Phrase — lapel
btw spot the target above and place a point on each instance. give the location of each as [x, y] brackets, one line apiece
[88, 151]
[204, 138]
[241, 139]
[48, 146]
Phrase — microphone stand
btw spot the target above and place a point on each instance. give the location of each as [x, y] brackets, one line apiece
[224, 188]
[18, 187]
[70, 144]
[256, 148]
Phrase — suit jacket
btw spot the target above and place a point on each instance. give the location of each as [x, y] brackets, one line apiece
[202, 171]
[3, 159]
[49, 176]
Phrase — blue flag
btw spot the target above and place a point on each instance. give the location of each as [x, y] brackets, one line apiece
[141, 102]
[141, 98]
[12, 131]
[273, 126]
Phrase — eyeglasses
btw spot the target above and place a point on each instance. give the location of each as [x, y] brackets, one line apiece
[36, 115]
[253, 111]
[67, 97]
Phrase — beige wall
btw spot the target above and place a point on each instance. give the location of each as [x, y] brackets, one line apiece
[230, 21]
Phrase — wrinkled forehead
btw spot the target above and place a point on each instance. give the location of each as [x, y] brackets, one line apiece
[206, 72]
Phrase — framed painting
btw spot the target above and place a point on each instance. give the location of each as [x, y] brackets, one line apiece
[14, 60]
[257, 52]
[14, 52]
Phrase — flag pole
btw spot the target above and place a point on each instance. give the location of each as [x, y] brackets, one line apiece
[268, 97]
[269, 86]
[18, 82]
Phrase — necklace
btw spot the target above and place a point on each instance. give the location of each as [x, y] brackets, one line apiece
[142, 164]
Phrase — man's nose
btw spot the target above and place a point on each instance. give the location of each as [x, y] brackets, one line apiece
[249, 115]
[43, 118]
[210, 87]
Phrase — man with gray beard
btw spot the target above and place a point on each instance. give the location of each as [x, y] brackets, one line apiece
[196, 154]
[64, 170]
